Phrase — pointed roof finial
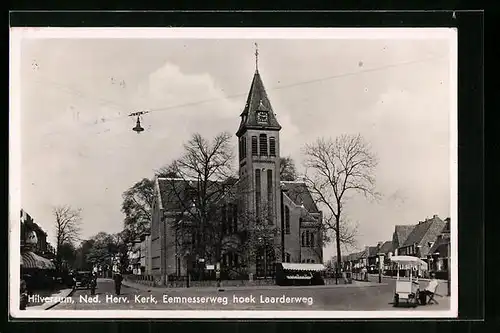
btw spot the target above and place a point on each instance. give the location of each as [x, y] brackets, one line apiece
[256, 57]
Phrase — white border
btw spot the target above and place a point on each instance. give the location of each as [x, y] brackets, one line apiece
[17, 34]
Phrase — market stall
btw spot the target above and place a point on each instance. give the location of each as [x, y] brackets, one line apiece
[295, 274]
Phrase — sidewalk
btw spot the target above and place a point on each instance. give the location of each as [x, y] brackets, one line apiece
[355, 284]
[63, 293]
[394, 277]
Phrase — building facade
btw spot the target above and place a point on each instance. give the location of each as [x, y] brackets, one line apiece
[285, 208]
[422, 237]
[145, 257]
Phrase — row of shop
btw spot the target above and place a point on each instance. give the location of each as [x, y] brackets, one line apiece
[37, 267]
[428, 240]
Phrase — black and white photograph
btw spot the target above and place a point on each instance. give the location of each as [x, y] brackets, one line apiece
[233, 173]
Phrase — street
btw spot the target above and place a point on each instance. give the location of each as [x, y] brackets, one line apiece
[333, 298]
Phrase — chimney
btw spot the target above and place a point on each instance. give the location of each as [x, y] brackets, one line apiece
[434, 216]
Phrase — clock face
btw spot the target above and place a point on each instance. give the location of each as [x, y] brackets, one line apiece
[262, 117]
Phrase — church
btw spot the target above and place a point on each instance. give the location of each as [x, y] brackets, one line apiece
[288, 205]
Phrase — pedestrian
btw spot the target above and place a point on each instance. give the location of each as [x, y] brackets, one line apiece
[430, 290]
[93, 283]
[118, 282]
[364, 274]
[23, 300]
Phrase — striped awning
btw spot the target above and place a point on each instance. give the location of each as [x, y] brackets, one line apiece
[298, 277]
[303, 267]
[32, 260]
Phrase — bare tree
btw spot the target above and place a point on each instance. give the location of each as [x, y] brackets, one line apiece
[67, 225]
[204, 183]
[335, 169]
[167, 171]
[257, 236]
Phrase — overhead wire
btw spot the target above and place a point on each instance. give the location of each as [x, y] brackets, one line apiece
[128, 111]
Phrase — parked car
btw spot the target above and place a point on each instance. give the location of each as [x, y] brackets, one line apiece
[83, 279]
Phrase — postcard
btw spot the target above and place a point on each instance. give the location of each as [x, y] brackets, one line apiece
[233, 173]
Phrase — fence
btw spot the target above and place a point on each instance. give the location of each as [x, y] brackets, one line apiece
[181, 282]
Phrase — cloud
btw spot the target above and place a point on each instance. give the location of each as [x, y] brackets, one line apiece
[71, 156]
[89, 163]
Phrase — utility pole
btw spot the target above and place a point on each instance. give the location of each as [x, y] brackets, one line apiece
[449, 267]
[282, 225]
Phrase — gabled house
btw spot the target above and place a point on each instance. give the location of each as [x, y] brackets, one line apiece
[422, 238]
[401, 233]
[372, 256]
[387, 250]
[438, 254]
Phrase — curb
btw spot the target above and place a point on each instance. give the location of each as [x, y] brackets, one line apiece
[231, 288]
[56, 303]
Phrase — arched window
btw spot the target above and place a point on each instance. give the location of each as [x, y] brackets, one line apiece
[244, 146]
[272, 146]
[254, 146]
[307, 238]
[257, 193]
[263, 144]
[311, 244]
[303, 239]
[287, 257]
[270, 196]
[308, 261]
[287, 220]
[312, 261]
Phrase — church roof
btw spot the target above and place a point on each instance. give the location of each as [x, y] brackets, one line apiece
[257, 100]
[306, 217]
[300, 195]
[178, 194]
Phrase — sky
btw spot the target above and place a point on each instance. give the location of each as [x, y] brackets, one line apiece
[78, 147]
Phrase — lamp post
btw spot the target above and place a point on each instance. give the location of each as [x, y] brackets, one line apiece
[187, 268]
[282, 189]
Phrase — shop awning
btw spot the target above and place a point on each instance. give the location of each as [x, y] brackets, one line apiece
[298, 277]
[32, 260]
[303, 267]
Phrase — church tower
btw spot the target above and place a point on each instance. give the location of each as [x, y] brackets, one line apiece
[259, 155]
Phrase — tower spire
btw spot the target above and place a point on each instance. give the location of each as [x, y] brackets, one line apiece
[256, 57]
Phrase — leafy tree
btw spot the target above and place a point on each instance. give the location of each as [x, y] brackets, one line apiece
[137, 205]
[288, 172]
[81, 262]
[102, 249]
[67, 253]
